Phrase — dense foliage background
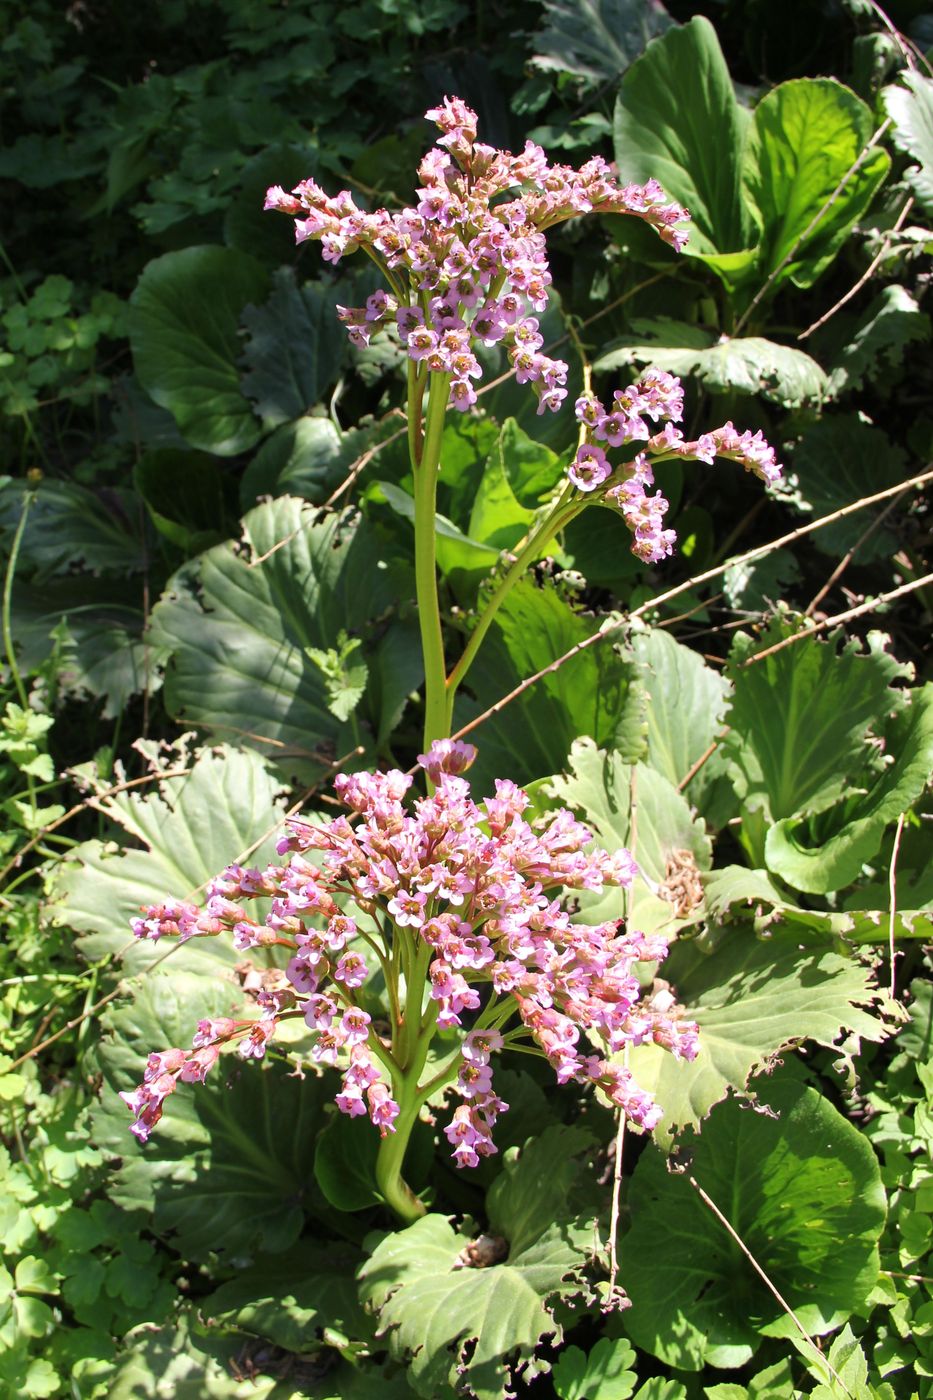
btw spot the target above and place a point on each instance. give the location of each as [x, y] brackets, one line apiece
[205, 536]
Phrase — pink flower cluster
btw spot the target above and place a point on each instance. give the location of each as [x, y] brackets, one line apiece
[467, 263]
[657, 396]
[470, 893]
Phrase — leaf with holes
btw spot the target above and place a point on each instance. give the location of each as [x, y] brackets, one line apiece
[596, 40]
[184, 333]
[741, 364]
[477, 1327]
[228, 1167]
[248, 674]
[671, 845]
[752, 999]
[186, 828]
[802, 1191]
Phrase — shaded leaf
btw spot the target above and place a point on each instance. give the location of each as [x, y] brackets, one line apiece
[803, 1191]
[890, 323]
[248, 673]
[837, 461]
[289, 1298]
[184, 319]
[70, 526]
[184, 495]
[295, 348]
[752, 999]
[597, 692]
[604, 1374]
[596, 40]
[227, 1167]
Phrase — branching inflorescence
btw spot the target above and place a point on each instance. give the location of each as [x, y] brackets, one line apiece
[459, 903]
[459, 899]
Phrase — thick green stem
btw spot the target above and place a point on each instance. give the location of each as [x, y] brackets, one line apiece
[560, 516]
[396, 1192]
[28, 498]
[436, 724]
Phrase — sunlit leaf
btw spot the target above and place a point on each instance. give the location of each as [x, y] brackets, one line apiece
[802, 1191]
[910, 107]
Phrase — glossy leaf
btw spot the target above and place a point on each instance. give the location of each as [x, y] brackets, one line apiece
[831, 860]
[802, 1191]
[677, 121]
[800, 719]
[184, 321]
[745, 365]
[807, 135]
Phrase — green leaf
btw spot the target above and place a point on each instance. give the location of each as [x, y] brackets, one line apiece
[533, 470]
[497, 518]
[596, 692]
[820, 863]
[184, 495]
[456, 552]
[686, 705]
[344, 678]
[289, 1298]
[743, 364]
[295, 348]
[70, 526]
[802, 1191]
[345, 1163]
[752, 999]
[910, 107]
[228, 1166]
[176, 1361]
[758, 585]
[837, 461]
[889, 324]
[677, 120]
[672, 845]
[595, 40]
[428, 1302]
[806, 136]
[187, 828]
[184, 322]
[605, 1374]
[800, 719]
[735, 892]
[248, 672]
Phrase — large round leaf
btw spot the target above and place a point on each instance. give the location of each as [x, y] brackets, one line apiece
[242, 633]
[802, 1190]
[184, 320]
[198, 815]
[229, 1166]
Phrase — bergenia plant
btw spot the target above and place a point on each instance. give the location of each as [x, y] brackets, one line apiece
[458, 903]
